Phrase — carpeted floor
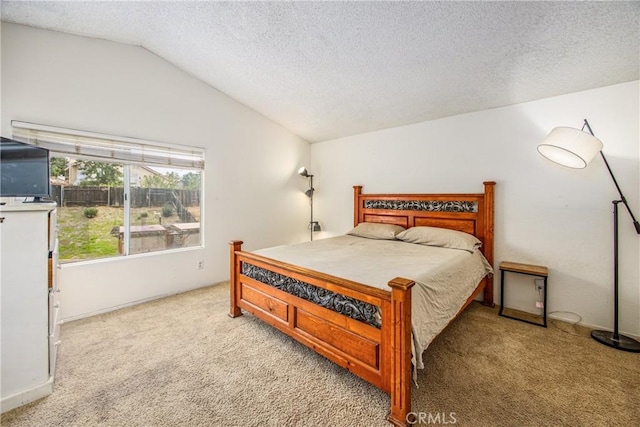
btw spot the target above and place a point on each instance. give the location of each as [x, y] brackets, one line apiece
[181, 361]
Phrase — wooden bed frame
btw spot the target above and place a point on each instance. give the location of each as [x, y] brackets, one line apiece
[379, 356]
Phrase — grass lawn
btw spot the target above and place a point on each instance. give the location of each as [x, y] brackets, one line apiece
[84, 238]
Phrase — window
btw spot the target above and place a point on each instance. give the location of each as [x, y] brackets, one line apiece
[120, 196]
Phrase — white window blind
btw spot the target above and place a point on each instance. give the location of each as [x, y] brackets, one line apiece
[107, 147]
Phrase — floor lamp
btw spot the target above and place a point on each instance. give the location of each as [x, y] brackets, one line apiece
[313, 225]
[575, 149]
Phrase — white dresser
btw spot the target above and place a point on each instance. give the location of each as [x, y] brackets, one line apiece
[30, 308]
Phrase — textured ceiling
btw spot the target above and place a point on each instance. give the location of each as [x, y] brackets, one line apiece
[331, 69]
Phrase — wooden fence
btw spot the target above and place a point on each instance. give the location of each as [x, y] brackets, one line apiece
[114, 196]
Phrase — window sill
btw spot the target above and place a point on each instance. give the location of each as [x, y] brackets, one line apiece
[71, 264]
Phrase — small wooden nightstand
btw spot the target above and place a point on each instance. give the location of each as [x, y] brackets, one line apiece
[532, 270]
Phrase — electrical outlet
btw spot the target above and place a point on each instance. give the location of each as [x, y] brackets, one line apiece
[200, 265]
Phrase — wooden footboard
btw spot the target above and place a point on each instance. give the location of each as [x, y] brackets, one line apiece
[381, 356]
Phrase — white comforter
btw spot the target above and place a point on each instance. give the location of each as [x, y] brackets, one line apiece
[445, 278]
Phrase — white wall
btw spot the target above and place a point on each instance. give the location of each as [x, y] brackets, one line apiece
[545, 214]
[252, 191]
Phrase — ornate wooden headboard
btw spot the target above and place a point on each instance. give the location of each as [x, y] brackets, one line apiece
[471, 213]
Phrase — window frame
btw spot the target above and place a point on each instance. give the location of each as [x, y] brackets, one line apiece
[189, 158]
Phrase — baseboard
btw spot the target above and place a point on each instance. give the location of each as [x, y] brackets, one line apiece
[571, 318]
[15, 400]
[590, 326]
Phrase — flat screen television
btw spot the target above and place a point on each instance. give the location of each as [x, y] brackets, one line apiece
[24, 170]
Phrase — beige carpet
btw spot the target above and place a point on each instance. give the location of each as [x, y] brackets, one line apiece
[181, 361]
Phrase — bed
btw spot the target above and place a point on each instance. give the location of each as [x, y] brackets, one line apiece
[333, 306]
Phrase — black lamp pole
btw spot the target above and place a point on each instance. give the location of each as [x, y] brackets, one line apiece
[313, 225]
[311, 202]
[622, 198]
[614, 339]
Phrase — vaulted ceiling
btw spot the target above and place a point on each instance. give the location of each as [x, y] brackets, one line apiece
[331, 69]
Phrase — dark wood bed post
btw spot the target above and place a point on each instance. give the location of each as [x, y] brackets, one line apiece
[400, 375]
[357, 191]
[234, 309]
[489, 199]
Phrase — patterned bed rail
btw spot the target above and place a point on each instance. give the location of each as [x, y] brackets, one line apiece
[422, 205]
[347, 306]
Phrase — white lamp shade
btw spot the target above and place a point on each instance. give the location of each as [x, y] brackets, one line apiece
[303, 171]
[570, 147]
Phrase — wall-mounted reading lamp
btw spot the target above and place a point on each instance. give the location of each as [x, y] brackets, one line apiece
[575, 149]
[313, 225]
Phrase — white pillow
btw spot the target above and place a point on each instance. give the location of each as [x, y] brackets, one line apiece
[374, 230]
[441, 237]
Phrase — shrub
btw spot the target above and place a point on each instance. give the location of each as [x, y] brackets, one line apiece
[167, 211]
[90, 212]
[143, 215]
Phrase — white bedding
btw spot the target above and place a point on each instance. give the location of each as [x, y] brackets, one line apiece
[445, 278]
